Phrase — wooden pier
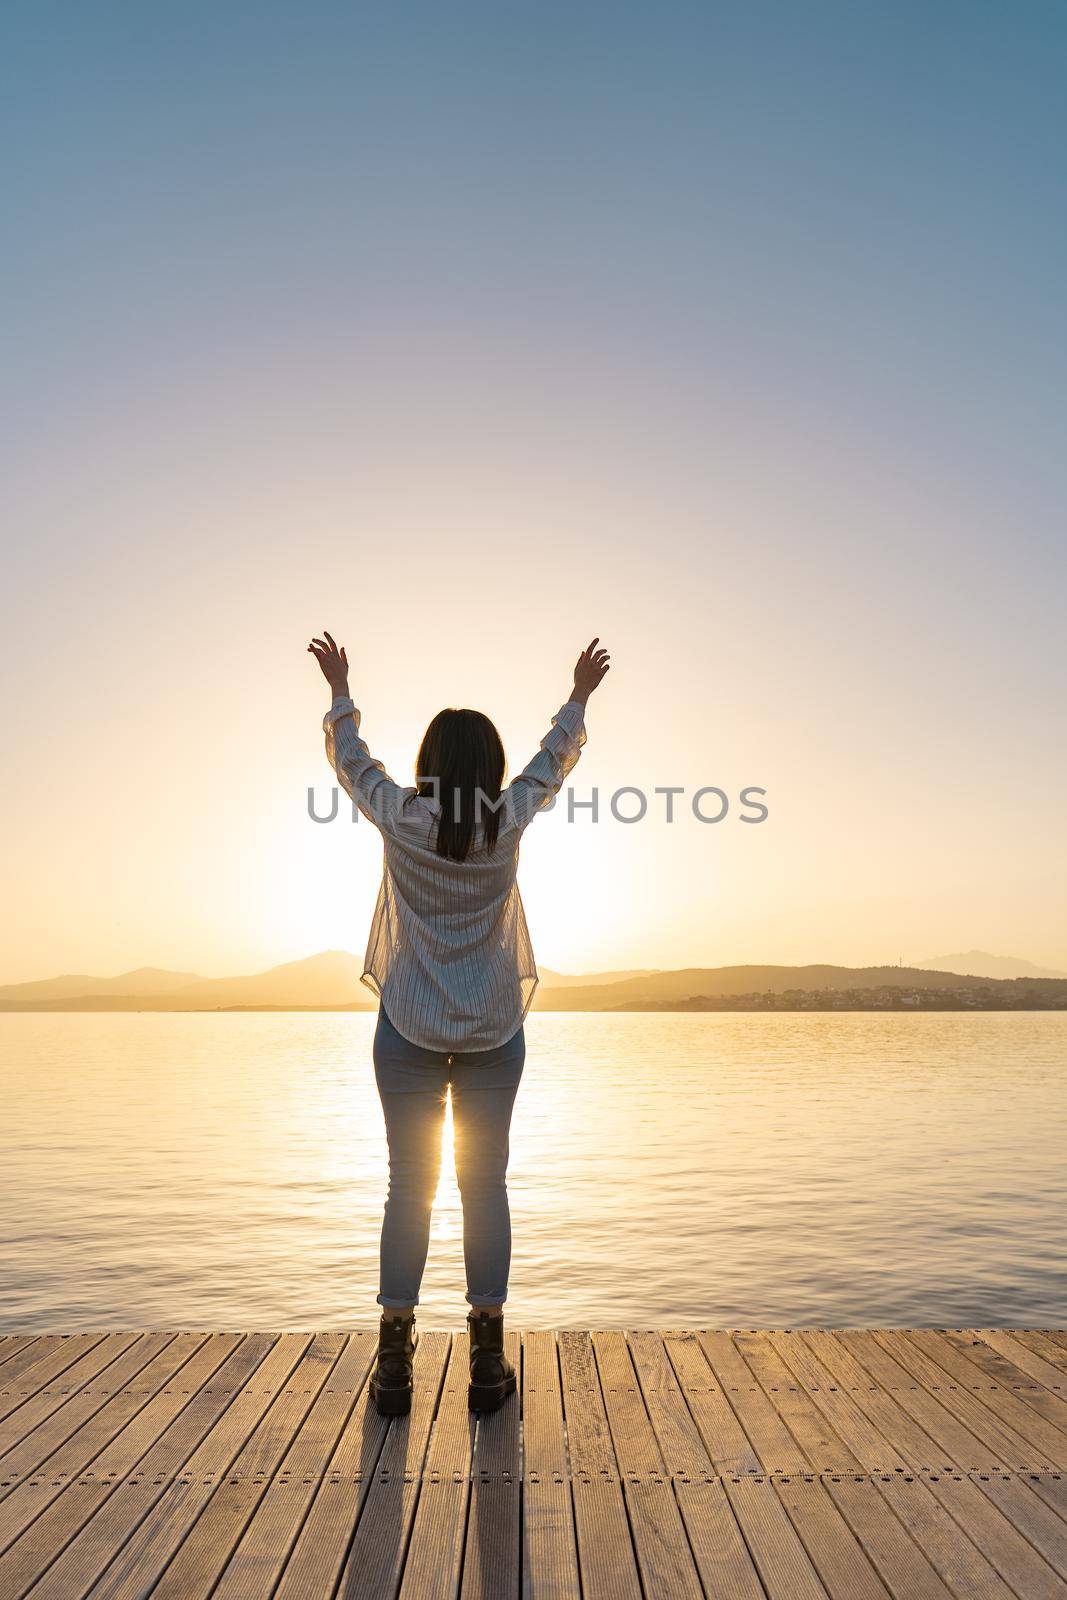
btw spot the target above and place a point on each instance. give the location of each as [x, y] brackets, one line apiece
[860, 1465]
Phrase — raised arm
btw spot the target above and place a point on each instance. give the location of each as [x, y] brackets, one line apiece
[359, 774]
[542, 778]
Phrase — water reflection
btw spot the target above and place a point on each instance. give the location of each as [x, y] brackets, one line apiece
[229, 1171]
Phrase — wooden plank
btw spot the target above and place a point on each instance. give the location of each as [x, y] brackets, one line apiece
[236, 1442]
[1023, 1416]
[676, 1434]
[1035, 1413]
[107, 1526]
[314, 1440]
[371, 1488]
[92, 1367]
[1046, 1343]
[1015, 1498]
[491, 1566]
[1010, 1448]
[821, 1448]
[957, 1445]
[606, 1553]
[435, 1554]
[257, 1563]
[973, 1362]
[550, 1555]
[776, 1548]
[1019, 1564]
[113, 1441]
[588, 1433]
[892, 1421]
[736, 1420]
[55, 1514]
[132, 1574]
[39, 1364]
[844, 1569]
[1052, 1489]
[66, 1420]
[1023, 1355]
[203, 1554]
[993, 1364]
[722, 1557]
[724, 1440]
[173, 1513]
[633, 1437]
[954, 1557]
[897, 1559]
[774, 1448]
[544, 1445]
[664, 1559]
[156, 1362]
[845, 1415]
[10, 1345]
[242, 1466]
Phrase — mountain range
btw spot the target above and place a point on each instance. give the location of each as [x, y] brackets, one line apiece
[980, 964]
[331, 981]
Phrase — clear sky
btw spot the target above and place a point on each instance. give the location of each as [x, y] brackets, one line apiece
[734, 334]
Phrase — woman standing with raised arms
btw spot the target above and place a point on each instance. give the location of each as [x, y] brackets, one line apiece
[450, 958]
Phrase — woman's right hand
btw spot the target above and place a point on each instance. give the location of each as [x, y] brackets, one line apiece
[333, 661]
[589, 671]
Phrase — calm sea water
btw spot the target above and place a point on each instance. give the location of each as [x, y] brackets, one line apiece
[228, 1171]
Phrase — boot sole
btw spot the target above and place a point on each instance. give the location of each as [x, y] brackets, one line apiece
[391, 1402]
[489, 1396]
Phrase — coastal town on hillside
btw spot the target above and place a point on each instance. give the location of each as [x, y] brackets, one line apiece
[883, 997]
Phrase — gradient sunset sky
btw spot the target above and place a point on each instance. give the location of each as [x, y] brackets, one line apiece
[733, 334]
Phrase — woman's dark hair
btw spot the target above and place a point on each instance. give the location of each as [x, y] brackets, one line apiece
[461, 766]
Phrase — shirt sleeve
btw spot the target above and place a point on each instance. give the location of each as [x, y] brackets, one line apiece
[360, 775]
[542, 778]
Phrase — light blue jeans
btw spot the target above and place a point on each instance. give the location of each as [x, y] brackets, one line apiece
[412, 1083]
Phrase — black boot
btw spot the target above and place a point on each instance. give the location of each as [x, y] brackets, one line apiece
[390, 1383]
[492, 1375]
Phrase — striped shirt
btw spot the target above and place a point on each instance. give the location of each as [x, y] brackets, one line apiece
[449, 952]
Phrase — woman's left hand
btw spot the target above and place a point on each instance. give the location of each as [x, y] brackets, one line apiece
[333, 661]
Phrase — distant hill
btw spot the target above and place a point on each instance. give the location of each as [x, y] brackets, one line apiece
[560, 980]
[980, 964]
[322, 981]
[328, 979]
[661, 990]
[331, 981]
[143, 981]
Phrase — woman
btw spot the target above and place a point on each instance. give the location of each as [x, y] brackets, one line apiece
[450, 958]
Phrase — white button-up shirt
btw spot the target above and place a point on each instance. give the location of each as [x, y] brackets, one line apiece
[449, 950]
